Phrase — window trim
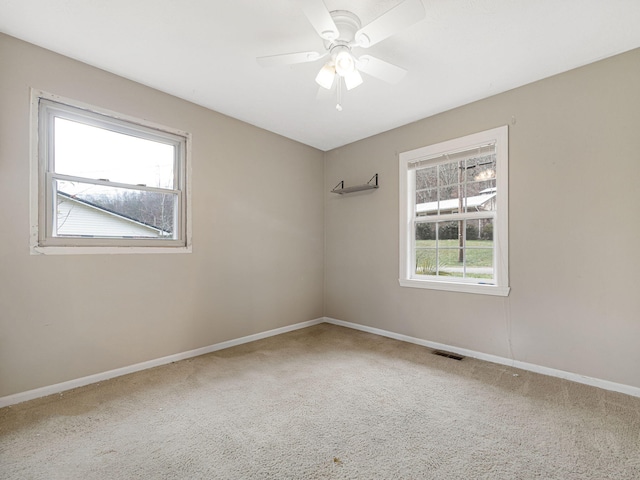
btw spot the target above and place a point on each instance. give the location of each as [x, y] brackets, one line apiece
[41, 241]
[498, 135]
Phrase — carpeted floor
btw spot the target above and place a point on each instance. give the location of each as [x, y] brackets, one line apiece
[325, 403]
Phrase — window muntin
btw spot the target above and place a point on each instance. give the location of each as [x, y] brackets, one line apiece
[106, 181]
[454, 215]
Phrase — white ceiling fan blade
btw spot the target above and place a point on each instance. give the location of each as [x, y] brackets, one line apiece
[289, 58]
[380, 69]
[399, 17]
[320, 18]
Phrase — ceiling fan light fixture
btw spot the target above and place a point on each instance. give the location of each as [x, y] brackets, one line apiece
[353, 79]
[326, 75]
[345, 63]
[341, 31]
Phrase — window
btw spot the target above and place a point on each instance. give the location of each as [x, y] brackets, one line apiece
[106, 183]
[453, 215]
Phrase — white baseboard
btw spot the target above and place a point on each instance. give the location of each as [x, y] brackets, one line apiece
[100, 377]
[552, 372]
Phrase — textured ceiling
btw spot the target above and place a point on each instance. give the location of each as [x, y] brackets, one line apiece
[205, 51]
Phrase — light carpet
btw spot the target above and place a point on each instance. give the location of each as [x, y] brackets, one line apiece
[325, 402]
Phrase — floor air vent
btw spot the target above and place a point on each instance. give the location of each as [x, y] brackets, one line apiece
[454, 356]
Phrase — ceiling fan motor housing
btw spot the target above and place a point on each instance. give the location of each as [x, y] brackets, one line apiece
[348, 24]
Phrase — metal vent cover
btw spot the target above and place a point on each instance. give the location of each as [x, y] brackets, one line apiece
[452, 355]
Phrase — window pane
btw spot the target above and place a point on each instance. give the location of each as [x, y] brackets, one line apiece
[426, 191]
[448, 231]
[449, 174]
[480, 183]
[481, 188]
[479, 262]
[426, 261]
[427, 195]
[449, 255]
[91, 152]
[448, 247]
[475, 256]
[479, 249]
[449, 199]
[93, 210]
[426, 178]
[484, 201]
[485, 229]
[481, 168]
[426, 231]
[451, 188]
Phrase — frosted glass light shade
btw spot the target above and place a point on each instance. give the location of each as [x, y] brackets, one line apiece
[345, 63]
[325, 76]
[352, 80]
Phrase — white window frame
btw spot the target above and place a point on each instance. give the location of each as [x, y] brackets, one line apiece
[46, 106]
[433, 153]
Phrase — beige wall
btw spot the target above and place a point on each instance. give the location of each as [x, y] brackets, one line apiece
[574, 228]
[257, 260]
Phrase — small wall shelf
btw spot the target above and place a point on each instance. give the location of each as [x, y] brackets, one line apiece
[341, 190]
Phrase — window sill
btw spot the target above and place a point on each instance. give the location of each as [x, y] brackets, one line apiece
[105, 250]
[495, 290]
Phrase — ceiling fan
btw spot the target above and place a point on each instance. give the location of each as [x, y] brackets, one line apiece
[342, 32]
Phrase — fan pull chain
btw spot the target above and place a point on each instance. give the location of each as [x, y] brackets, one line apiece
[339, 104]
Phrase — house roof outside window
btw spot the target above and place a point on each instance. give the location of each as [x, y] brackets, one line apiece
[477, 202]
[79, 217]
